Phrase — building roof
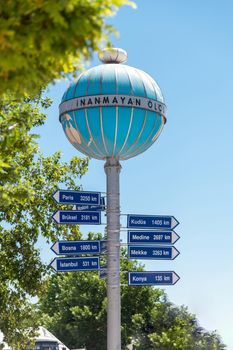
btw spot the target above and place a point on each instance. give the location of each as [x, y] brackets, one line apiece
[45, 335]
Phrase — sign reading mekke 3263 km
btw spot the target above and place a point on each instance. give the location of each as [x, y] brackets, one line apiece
[152, 252]
[151, 221]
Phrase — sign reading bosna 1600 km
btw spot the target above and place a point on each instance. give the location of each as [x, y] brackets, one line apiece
[151, 221]
[76, 247]
[152, 252]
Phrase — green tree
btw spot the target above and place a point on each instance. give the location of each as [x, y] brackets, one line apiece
[39, 42]
[73, 306]
[27, 182]
[44, 40]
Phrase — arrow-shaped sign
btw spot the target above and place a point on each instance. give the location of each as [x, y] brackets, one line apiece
[103, 272]
[152, 278]
[152, 237]
[75, 264]
[77, 197]
[103, 246]
[151, 221]
[76, 217]
[152, 252]
[76, 247]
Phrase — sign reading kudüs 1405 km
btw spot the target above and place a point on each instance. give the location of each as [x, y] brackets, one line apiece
[152, 237]
[151, 221]
[76, 217]
[77, 197]
[152, 252]
[76, 247]
[152, 278]
[75, 264]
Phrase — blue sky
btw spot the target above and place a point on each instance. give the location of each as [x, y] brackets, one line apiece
[187, 47]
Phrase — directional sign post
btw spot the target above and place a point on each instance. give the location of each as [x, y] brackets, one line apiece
[76, 247]
[151, 221]
[152, 252]
[152, 237]
[75, 264]
[152, 278]
[77, 197]
[76, 217]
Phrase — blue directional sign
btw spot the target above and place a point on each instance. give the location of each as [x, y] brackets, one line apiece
[151, 221]
[103, 272]
[76, 217]
[76, 247]
[152, 237]
[152, 278]
[87, 207]
[77, 197]
[152, 252]
[103, 246]
[75, 264]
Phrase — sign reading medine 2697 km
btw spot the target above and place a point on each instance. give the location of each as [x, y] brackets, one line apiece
[152, 237]
[76, 217]
[151, 221]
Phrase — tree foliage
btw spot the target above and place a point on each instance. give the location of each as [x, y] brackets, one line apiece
[74, 308]
[27, 181]
[43, 40]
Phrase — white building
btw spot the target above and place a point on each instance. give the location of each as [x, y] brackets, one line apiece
[45, 341]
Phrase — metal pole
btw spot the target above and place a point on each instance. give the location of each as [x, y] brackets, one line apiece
[112, 169]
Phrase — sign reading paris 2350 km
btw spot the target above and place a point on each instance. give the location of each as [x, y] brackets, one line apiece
[151, 221]
[77, 197]
[76, 217]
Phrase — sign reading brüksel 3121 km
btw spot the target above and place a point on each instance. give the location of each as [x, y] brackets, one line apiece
[75, 217]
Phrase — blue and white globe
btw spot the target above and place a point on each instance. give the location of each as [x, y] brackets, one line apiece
[113, 110]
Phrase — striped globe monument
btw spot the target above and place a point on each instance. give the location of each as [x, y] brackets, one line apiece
[113, 112]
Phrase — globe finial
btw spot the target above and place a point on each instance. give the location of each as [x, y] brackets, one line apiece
[113, 55]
